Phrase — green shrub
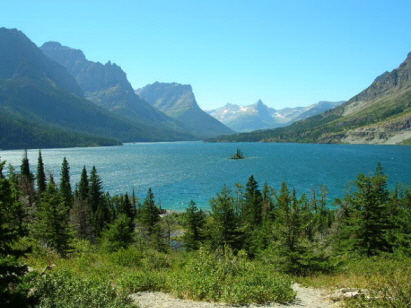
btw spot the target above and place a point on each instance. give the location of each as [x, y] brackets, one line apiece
[142, 281]
[130, 257]
[222, 276]
[62, 289]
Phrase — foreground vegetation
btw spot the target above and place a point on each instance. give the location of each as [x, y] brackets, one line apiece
[86, 248]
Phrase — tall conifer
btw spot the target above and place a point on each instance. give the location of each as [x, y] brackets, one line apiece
[65, 186]
[40, 176]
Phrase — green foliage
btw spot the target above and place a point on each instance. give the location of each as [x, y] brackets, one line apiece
[41, 176]
[13, 287]
[194, 222]
[223, 226]
[51, 228]
[65, 186]
[64, 289]
[368, 214]
[119, 234]
[222, 276]
[142, 281]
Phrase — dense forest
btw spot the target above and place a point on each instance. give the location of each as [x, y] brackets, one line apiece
[65, 246]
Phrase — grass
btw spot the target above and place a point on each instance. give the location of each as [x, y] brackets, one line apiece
[386, 278]
[212, 276]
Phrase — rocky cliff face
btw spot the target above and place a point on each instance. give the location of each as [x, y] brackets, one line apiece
[106, 85]
[21, 58]
[91, 76]
[387, 83]
[178, 101]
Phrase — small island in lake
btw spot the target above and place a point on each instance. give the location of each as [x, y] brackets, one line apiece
[238, 155]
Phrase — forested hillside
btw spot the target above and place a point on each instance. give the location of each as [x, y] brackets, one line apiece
[247, 248]
[42, 105]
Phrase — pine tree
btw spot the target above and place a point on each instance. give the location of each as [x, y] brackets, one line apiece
[51, 228]
[41, 176]
[149, 214]
[119, 234]
[224, 222]
[125, 207]
[368, 221]
[26, 181]
[252, 216]
[253, 204]
[99, 207]
[83, 187]
[65, 186]
[194, 222]
[81, 219]
[11, 269]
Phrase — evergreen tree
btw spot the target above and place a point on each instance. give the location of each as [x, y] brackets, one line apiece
[12, 270]
[252, 205]
[83, 187]
[99, 207]
[65, 186]
[125, 207]
[367, 222]
[51, 228]
[26, 181]
[41, 176]
[194, 222]
[149, 214]
[224, 222]
[119, 234]
[149, 221]
[295, 251]
[81, 219]
[267, 203]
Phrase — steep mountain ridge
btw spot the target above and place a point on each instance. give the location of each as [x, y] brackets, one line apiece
[106, 85]
[380, 114]
[39, 108]
[20, 58]
[178, 101]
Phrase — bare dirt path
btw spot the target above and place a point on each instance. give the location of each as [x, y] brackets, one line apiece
[306, 297]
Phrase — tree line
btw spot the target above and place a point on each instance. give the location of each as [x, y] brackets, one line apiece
[300, 234]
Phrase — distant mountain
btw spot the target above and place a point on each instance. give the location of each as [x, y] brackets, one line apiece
[41, 104]
[178, 101]
[260, 116]
[381, 114]
[107, 86]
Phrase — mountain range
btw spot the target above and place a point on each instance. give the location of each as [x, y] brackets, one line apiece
[259, 116]
[41, 104]
[54, 97]
[380, 114]
[107, 86]
[178, 101]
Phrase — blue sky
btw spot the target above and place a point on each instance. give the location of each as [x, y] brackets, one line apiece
[286, 53]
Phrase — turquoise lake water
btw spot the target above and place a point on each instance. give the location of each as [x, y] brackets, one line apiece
[182, 171]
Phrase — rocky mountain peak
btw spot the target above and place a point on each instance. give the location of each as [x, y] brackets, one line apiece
[27, 61]
[91, 76]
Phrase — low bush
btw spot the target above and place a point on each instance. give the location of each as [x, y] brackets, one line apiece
[142, 281]
[63, 289]
[222, 276]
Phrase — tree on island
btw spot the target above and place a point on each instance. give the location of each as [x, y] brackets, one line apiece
[238, 155]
